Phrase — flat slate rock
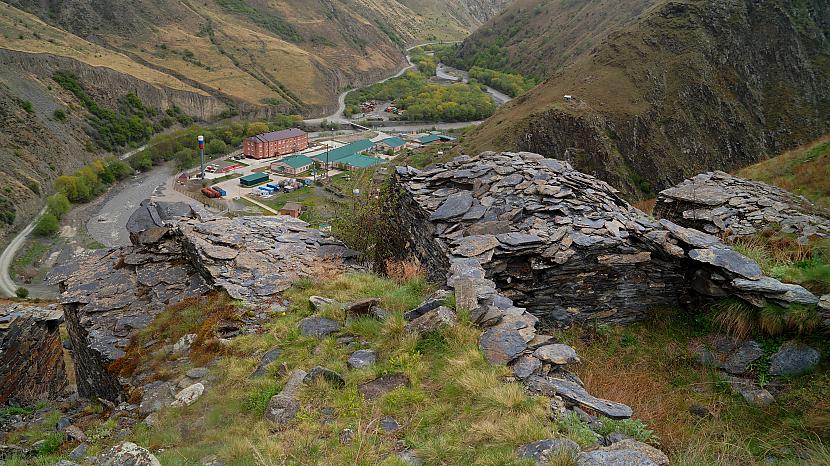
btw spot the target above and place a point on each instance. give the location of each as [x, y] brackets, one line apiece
[614, 458]
[269, 357]
[738, 362]
[319, 327]
[456, 205]
[324, 373]
[574, 393]
[502, 344]
[557, 354]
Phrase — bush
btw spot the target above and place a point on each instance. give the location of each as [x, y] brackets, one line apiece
[59, 114]
[27, 105]
[57, 205]
[21, 292]
[47, 225]
[216, 146]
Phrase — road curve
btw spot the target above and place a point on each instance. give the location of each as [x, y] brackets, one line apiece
[7, 284]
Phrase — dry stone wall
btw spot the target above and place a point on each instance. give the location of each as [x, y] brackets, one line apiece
[109, 295]
[565, 245]
[722, 204]
[31, 354]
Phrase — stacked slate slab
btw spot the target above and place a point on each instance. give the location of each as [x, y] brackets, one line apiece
[108, 295]
[722, 204]
[31, 354]
[564, 244]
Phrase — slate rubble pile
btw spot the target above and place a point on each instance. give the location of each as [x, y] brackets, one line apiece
[565, 245]
[31, 353]
[719, 203]
[177, 254]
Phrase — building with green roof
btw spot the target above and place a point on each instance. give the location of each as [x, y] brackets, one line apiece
[428, 139]
[334, 155]
[254, 179]
[357, 162]
[294, 164]
[394, 143]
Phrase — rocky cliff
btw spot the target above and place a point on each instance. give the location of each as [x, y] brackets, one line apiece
[108, 295]
[565, 245]
[692, 86]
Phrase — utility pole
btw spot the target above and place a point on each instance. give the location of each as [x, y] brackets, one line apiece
[201, 140]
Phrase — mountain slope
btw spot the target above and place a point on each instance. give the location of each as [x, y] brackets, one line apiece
[536, 37]
[694, 85]
[289, 55]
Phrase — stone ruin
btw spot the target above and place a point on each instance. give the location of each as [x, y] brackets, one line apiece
[177, 253]
[721, 204]
[31, 354]
[565, 245]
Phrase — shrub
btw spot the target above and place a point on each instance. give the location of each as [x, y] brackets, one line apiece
[216, 146]
[47, 225]
[21, 292]
[59, 114]
[57, 204]
[27, 105]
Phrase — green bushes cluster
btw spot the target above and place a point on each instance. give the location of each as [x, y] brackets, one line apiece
[511, 84]
[423, 101]
[88, 182]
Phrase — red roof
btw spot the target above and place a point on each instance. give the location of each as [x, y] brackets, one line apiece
[279, 135]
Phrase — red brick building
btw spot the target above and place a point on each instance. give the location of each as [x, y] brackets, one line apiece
[275, 144]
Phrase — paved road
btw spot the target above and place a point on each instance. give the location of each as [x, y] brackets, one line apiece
[7, 285]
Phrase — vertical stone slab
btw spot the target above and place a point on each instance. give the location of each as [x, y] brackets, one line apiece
[465, 294]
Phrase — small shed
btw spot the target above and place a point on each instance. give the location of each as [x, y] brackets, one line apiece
[254, 179]
[294, 164]
[292, 209]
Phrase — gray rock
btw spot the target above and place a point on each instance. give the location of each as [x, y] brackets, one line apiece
[751, 393]
[189, 395]
[738, 362]
[456, 205]
[557, 354]
[154, 396]
[346, 436]
[330, 376]
[543, 451]
[361, 307]
[319, 327]
[75, 433]
[78, 453]
[389, 424]
[475, 245]
[502, 344]
[183, 345]
[432, 321]
[267, 358]
[361, 359]
[283, 407]
[575, 393]
[794, 358]
[525, 366]
[729, 260]
[613, 458]
[126, 453]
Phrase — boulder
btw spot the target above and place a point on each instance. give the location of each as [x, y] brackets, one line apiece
[614, 458]
[794, 358]
[319, 327]
[283, 407]
[543, 451]
[557, 354]
[575, 393]
[525, 366]
[154, 396]
[126, 453]
[362, 359]
[432, 321]
[751, 393]
[319, 303]
[361, 307]
[189, 395]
